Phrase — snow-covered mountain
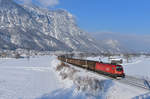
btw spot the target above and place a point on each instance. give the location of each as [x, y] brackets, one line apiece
[112, 45]
[32, 27]
[135, 43]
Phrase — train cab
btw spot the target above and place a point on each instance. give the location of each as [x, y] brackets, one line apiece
[119, 72]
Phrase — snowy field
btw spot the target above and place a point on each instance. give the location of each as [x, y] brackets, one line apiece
[26, 78]
[139, 67]
[42, 78]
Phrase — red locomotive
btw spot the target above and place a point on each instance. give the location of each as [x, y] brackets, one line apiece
[112, 69]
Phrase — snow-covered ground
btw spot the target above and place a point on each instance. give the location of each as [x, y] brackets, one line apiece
[26, 78]
[137, 66]
[43, 78]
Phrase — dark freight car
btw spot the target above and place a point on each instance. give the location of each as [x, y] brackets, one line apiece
[112, 70]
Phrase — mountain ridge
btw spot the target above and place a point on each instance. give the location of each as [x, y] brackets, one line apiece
[35, 28]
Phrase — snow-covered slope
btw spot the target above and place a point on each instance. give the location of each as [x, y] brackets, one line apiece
[31, 27]
[43, 78]
[84, 84]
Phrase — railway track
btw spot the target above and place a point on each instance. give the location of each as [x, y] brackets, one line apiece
[136, 82]
[91, 67]
[128, 80]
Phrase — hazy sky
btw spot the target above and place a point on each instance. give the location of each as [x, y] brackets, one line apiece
[122, 16]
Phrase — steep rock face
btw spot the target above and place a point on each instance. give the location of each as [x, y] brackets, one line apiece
[18, 29]
[61, 25]
[31, 27]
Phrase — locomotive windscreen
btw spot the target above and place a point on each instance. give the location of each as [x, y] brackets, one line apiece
[118, 68]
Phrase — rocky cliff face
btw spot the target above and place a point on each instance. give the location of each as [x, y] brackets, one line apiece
[31, 27]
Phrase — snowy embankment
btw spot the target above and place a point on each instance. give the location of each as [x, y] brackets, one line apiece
[44, 78]
[83, 84]
[138, 67]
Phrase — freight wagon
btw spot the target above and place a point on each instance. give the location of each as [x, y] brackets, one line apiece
[113, 70]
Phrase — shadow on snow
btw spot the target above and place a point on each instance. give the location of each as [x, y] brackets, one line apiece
[143, 96]
[83, 88]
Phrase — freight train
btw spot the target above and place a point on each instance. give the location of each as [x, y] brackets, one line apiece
[109, 69]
